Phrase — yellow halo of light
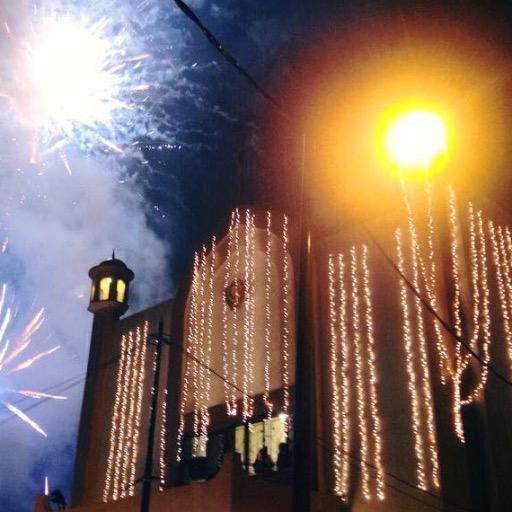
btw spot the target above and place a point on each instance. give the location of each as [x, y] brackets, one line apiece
[414, 139]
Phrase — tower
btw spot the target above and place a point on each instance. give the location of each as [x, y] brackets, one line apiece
[108, 301]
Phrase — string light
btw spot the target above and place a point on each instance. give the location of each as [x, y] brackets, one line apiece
[234, 344]
[198, 352]
[268, 314]
[225, 312]
[191, 334]
[208, 348]
[345, 380]
[371, 361]
[251, 304]
[246, 412]
[139, 379]
[120, 469]
[336, 433]
[115, 422]
[361, 409]
[127, 456]
[457, 321]
[163, 438]
[500, 263]
[285, 287]
[430, 285]
[411, 373]
[422, 342]
[126, 417]
[481, 317]
[484, 317]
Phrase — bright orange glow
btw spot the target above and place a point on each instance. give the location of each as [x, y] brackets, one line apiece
[348, 90]
[414, 139]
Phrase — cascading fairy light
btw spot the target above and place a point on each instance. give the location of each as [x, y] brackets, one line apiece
[412, 386]
[126, 416]
[247, 320]
[427, 272]
[345, 380]
[285, 342]
[268, 313]
[425, 371]
[499, 258]
[462, 360]
[252, 302]
[234, 344]
[504, 248]
[198, 353]
[360, 388]
[454, 250]
[119, 464]
[191, 334]
[225, 313]
[371, 362]
[140, 377]
[205, 416]
[430, 285]
[336, 429]
[163, 441]
[125, 475]
[508, 239]
[484, 316]
[481, 318]
[115, 424]
[505, 284]
[456, 314]
[428, 411]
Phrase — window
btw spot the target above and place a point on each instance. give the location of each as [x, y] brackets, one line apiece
[105, 283]
[269, 432]
[93, 291]
[120, 290]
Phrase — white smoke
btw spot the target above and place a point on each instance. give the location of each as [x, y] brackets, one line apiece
[61, 227]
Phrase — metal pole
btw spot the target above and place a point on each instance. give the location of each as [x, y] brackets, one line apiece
[148, 468]
[302, 476]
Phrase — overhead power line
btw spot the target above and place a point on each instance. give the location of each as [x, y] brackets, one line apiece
[227, 55]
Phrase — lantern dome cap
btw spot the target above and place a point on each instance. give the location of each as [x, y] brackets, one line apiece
[112, 266]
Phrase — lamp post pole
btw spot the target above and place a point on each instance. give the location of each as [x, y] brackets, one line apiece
[303, 460]
[148, 466]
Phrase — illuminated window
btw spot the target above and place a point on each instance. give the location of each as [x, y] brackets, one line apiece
[120, 290]
[105, 283]
[270, 433]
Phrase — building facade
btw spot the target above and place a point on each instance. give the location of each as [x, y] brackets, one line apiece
[408, 330]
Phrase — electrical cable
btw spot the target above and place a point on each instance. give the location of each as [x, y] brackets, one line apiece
[229, 57]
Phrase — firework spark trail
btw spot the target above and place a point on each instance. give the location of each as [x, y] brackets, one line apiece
[9, 366]
[22, 416]
[30, 361]
[38, 394]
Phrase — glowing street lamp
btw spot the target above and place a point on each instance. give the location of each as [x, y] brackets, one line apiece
[414, 139]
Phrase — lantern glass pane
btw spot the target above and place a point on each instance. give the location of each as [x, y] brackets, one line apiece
[120, 290]
[105, 283]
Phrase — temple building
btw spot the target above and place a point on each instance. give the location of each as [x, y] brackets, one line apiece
[404, 412]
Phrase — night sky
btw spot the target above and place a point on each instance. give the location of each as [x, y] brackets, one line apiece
[211, 137]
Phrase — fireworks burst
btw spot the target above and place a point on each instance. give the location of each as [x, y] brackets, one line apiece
[87, 81]
[13, 359]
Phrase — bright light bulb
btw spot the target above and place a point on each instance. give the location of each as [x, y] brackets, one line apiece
[415, 138]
